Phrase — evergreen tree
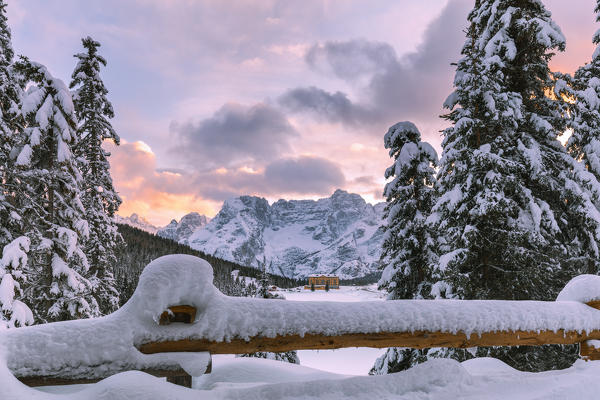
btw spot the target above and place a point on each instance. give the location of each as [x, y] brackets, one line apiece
[93, 110]
[263, 283]
[515, 221]
[15, 246]
[584, 143]
[408, 244]
[52, 209]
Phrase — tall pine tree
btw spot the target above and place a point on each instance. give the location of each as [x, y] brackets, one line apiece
[93, 110]
[408, 245]
[53, 212]
[515, 221]
[14, 246]
[584, 143]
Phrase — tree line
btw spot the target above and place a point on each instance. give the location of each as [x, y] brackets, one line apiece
[57, 235]
[63, 255]
[143, 247]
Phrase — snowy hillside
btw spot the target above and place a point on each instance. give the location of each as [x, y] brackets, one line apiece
[340, 234]
[180, 231]
[137, 221]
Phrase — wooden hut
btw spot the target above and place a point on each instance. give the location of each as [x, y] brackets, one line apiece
[322, 281]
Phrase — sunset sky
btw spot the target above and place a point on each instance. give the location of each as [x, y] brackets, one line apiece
[281, 99]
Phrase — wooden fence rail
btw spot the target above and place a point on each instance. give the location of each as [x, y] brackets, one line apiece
[211, 322]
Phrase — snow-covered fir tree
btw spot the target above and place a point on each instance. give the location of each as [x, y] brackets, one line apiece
[515, 222]
[408, 245]
[262, 290]
[93, 111]
[52, 209]
[14, 246]
[584, 143]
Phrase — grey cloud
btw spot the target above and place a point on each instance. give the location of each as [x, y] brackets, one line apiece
[304, 175]
[412, 87]
[351, 59]
[331, 107]
[233, 135]
[219, 187]
[364, 180]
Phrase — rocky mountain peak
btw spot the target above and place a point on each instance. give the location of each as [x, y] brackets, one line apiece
[179, 231]
[340, 234]
[137, 221]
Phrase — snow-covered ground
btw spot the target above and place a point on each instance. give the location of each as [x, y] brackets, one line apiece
[249, 379]
[344, 293]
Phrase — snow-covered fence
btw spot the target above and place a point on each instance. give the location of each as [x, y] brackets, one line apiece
[133, 339]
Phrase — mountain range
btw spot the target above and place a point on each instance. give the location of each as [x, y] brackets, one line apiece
[341, 234]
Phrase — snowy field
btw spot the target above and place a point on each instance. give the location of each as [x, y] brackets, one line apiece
[344, 293]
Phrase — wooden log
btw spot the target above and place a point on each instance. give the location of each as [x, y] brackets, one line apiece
[588, 352]
[594, 304]
[183, 313]
[59, 380]
[184, 380]
[416, 340]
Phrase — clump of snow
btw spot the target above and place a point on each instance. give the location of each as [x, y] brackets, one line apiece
[193, 363]
[169, 281]
[487, 366]
[250, 371]
[582, 288]
[593, 343]
[15, 253]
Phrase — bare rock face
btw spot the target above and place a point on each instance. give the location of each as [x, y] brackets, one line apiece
[179, 231]
[137, 221]
[339, 235]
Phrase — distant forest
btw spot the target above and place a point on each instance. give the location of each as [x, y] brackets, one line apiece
[143, 247]
[369, 278]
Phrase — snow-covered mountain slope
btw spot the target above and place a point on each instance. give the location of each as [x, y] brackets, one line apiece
[137, 221]
[341, 235]
[179, 231]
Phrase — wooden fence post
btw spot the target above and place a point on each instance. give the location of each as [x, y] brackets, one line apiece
[184, 380]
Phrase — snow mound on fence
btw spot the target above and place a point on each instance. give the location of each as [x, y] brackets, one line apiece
[172, 280]
[582, 288]
[100, 347]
